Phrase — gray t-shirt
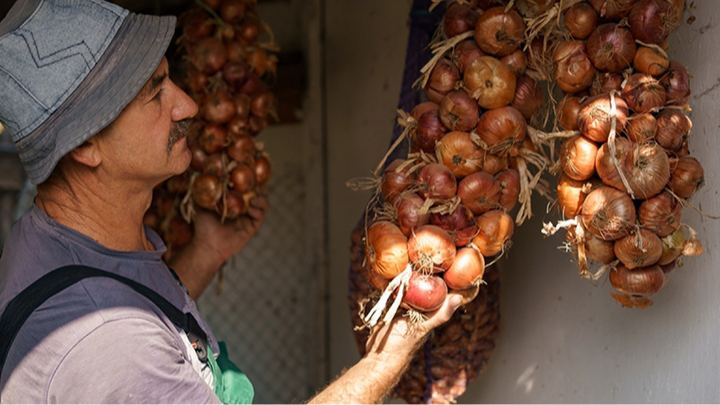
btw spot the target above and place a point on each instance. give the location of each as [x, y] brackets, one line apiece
[97, 341]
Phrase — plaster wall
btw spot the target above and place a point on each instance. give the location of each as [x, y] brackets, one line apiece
[564, 339]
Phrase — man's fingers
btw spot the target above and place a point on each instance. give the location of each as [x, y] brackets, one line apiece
[442, 315]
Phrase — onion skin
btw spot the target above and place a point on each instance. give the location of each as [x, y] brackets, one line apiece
[263, 169]
[208, 55]
[612, 9]
[650, 61]
[611, 48]
[499, 33]
[672, 247]
[491, 82]
[466, 52]
[431, 249]
[395, 180]
[608, 213]
[595, 117]
[425, 293]
[660, 214]
[529, 96]
[495, 230]
[574, 71]
[646, 167]
[687, 177]
[595, 248]
[467, 269]
[640, 249]
[408, 212]
[429, 129]
[460, 224]
[502, 128]
[606, 82]
[642, 282]
[580, 20]
[242, 178]
[509, 182]
[479, 192]
[386, 249]
[677, 83]
[459, 18]
[577, 157]
[213, 138]
[459, 153]
[572, 193]
[242, 150]
[516, 61]
[206, 191]
[436, 181]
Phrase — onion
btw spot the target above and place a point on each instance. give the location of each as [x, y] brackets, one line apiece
[231, 205]
[458, 112]
[257, 60]
[640, 249]
[256, 124]
[612, 9]
[596, 115]
[608, 213]
[206, 190]
[375, 280]
[242, 150]
[197, 81]
[459, 18]
[501, 128]
[213, 138]
[199, 157]
[196, 25]
[642, 282]
[498, 32]
[262, 102]
[396, 178]
[215, 165]
[580, 20]
[425, 293]
[429, 128]
[651, 21]
[238, 127]
[573, 69]
[605, 83]
[677, 83]
[465, 52]
[533, 8]
[232, 10]
[687, 176]
[643, 93]
[611, 48]
[442, 80]
[673, 129]
[458, 152]
[572, 193]
[263, 169]
[479, 192]
[536, 56]
[408, 212]
[436, 181]
[577, 157]
[660, 214]
[509, 182]
[650, 61]
[235, 73]
[208, 55]
[646, 167]
[568, 110]
[179, 232]
[218, 108]
[466, 270]
[386, 249]
[516, 61]
[495, 230]
[242, 178]
[248, 31]
[494, 163]
[235, 51]
[641, 128]
[529, 96]
[460, 224]
[491, 82]
[595, 248]
[431, 249]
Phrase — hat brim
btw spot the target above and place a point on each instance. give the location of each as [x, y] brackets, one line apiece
[120, 73]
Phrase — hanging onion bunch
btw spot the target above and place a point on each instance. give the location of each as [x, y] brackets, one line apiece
[625, 139]
[226, 64]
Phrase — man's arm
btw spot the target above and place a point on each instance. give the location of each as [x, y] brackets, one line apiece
[390, 350]
[213, 243]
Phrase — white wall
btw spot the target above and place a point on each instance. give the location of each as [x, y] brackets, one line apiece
[563, 339]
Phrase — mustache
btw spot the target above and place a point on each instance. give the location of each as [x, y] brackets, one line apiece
[178, 131]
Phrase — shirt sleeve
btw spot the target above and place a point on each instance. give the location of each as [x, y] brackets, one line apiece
[135, 360]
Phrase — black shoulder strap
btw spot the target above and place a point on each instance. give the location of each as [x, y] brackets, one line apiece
[20, 307]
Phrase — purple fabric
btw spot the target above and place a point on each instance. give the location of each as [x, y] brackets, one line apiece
[97, 341]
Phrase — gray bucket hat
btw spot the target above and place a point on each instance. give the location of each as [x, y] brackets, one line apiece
[67, 70]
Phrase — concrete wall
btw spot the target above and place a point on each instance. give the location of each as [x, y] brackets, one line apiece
[563, 339]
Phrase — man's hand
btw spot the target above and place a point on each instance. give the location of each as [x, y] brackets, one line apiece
[214, 242]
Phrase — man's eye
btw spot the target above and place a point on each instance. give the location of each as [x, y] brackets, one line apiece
[157, 95]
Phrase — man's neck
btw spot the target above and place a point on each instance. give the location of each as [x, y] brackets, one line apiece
[109, 214]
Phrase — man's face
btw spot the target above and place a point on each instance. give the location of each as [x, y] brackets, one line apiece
[146, 143]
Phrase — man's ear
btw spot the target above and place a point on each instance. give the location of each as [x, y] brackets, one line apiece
[87, 154]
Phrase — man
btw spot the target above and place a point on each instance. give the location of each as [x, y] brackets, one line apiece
[98, 124]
